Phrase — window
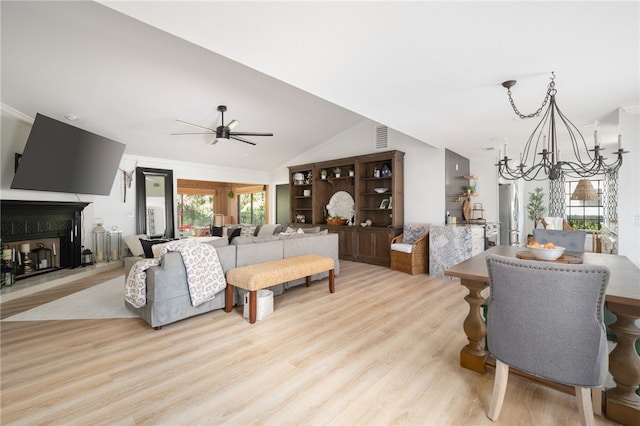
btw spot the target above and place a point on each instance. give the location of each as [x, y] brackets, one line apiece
[194, 211]
[584, 214]
[251, 208]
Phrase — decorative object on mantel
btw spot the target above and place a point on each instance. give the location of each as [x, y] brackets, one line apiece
[584, 191]
[337, 171]
[544, 142]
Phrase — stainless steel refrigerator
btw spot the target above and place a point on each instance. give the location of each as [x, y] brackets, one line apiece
[509, 214]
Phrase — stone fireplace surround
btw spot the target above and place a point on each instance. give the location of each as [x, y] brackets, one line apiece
[35, 221]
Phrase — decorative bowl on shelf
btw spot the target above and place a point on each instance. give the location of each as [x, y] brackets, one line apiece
[336, 221]
[381, 190]
[542, 253]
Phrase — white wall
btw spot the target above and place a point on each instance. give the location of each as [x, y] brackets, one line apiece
[423, 168]
[629, 186]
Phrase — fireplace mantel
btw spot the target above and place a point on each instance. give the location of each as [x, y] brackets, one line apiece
[28, 220]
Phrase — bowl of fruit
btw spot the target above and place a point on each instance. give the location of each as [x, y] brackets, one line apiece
[548, 251]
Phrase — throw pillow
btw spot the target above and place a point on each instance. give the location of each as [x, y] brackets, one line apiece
[134, 245]
[236, 233]
[313, 230]
[265, 230]
[247, 231]
[412, 232]
[216, 231]
[147, 244]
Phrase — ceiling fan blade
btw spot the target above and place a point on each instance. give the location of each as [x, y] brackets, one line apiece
[195, 125]
[250, 134]
[232, 124]
[198, 133]
[242, 139]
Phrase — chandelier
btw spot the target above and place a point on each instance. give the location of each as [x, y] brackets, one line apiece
[544, 142]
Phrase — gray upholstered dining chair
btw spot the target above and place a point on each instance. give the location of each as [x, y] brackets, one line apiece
[570, 240]
[546, 319]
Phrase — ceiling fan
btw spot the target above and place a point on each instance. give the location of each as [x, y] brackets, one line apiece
[223, 132]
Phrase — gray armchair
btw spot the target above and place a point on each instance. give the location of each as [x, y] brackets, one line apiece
[546, 319]
[570, 240]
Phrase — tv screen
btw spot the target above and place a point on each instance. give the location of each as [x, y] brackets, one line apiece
[62, 158]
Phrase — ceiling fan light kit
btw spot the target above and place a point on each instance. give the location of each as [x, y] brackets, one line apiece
[544, 142]
[223, 132]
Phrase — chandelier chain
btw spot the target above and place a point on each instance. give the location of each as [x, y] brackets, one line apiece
[550, 91]
[543, 147]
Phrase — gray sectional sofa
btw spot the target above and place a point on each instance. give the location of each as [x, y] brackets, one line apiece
[168, 297]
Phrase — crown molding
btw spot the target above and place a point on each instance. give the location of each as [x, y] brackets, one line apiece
[631, 109]
[17, 114]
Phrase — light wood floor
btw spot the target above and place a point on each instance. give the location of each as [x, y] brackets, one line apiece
[383, 349]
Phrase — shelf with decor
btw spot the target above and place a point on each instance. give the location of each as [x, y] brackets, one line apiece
[301, 193]
[355, 186]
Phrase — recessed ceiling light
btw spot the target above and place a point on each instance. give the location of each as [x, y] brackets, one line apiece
[72, 117]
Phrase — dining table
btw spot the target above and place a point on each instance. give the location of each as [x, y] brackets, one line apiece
[621, 403]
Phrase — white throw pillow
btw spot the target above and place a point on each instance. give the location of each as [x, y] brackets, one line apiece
[134, 244]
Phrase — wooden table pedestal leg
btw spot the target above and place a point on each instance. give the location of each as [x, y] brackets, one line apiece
[622, 403]
[473, 356]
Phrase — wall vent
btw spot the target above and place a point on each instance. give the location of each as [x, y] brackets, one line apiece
[381, 138]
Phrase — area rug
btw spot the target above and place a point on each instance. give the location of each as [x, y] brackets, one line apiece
[104, 300]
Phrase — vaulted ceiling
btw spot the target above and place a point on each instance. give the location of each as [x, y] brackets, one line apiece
[307, 71]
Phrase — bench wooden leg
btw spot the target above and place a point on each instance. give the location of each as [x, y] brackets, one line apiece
[308, 280]
[253, 304]
[228, 295]
[332, 287]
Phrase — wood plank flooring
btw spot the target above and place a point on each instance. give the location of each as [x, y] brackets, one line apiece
[383, 349]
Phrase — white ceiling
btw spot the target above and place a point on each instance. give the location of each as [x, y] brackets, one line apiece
[431, 70]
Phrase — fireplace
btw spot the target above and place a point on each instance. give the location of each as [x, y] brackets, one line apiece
[50, 230]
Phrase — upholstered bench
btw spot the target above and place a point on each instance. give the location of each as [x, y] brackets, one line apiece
[260, 275]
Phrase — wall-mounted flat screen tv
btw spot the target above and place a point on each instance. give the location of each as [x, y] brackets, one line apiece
[62, 158]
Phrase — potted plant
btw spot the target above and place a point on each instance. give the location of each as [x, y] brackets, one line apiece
[336, 171]
[535, 209]
[469, 189]
[323, 174]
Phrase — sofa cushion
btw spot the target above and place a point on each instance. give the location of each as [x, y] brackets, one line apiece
[218, 242]
[404, 248]
[148, 244]
[253, 240]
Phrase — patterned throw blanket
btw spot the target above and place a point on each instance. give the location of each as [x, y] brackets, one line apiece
[205, 276]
